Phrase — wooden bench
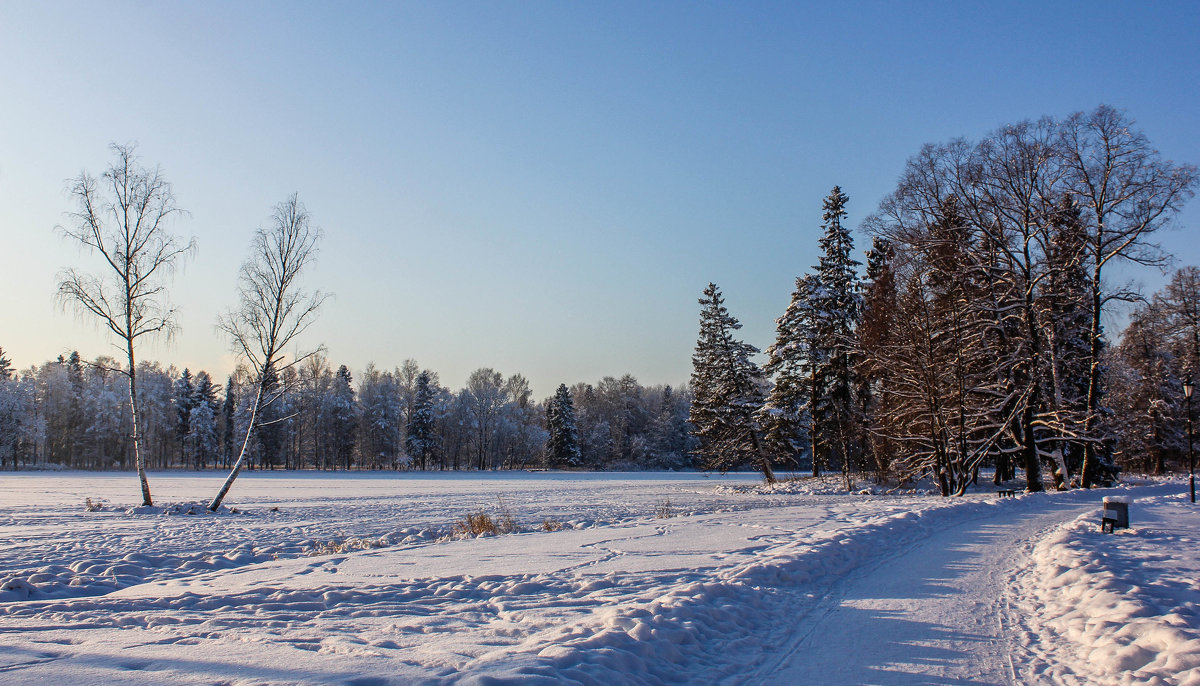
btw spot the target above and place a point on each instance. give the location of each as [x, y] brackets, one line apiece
[1006, 493]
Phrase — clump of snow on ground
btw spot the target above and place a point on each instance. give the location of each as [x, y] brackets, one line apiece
[827, 484]
[1117, 608]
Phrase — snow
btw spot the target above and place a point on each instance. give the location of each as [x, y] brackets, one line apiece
[650, 578]
[1117, 608]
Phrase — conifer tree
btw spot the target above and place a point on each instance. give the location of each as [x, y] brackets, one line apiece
[793, 360]
[727, 388]
[838, 307]
[185, 400]
[228, 409]
[343, 416]
[564, 434]
[875, 338]
[420, 439]
[6, 370]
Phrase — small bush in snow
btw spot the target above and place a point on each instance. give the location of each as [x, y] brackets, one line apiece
[475, 524]
[551, 524]
[664, 510]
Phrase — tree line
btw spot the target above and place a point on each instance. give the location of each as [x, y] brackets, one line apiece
[975, 336]
[74, 414]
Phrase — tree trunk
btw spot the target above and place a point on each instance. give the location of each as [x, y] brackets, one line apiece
[1088, 477]
[137, 437]
[237, 465]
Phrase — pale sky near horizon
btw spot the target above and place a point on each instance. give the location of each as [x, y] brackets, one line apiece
[537, 187]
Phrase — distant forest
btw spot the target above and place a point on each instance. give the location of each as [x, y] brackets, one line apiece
[74, 413]
[974, 337]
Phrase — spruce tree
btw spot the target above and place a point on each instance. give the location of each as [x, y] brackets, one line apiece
[875, 337]
[792, 360]
[228, 408]
[564, 434]
[185, 400]
[727, 388]
[343, 416]
[420, 438]
[838, 306]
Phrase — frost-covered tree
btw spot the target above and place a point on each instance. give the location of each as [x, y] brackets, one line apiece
[123, 218]
[421, 439]
[563, 448]
[485, 396]
[202, 434]
[343, 417]
[6, 369]
[228, 425]
[379, 413]
[727, 388]
[793, 361]
[185, 401]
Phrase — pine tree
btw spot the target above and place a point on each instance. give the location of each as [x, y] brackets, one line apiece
[564, 434]
[421, 439]
[728, 392]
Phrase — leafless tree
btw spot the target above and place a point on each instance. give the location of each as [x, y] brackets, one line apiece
[123, 217]
[1128, 192]
[273, 311]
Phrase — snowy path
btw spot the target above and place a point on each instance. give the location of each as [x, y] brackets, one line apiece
[931, 614]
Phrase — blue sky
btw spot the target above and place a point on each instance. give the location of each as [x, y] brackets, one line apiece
[538, 187]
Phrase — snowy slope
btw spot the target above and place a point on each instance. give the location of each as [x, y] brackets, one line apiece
[736, 587]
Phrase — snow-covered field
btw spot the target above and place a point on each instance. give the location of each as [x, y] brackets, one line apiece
[610, 578]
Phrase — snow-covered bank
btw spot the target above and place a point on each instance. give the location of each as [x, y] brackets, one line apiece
[1120, 608]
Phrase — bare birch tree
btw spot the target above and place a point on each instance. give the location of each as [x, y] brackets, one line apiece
[123, 217]
[273, 311]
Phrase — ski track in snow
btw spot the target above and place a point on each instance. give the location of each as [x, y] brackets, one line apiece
[741, 587]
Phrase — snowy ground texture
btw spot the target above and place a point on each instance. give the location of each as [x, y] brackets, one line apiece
[610, 579]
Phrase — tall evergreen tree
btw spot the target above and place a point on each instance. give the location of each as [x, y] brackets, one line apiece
[564, 434]
[838, 306]
[343, 416]
[727, 388]
[228, 423]
[793, 361]
[185, 400]
[875, 338]
[421, 438]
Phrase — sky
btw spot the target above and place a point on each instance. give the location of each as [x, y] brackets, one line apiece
[543, 188]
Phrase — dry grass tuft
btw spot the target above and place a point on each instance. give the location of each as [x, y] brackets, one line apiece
[664, 510]
[479, 523]
[551, 524]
